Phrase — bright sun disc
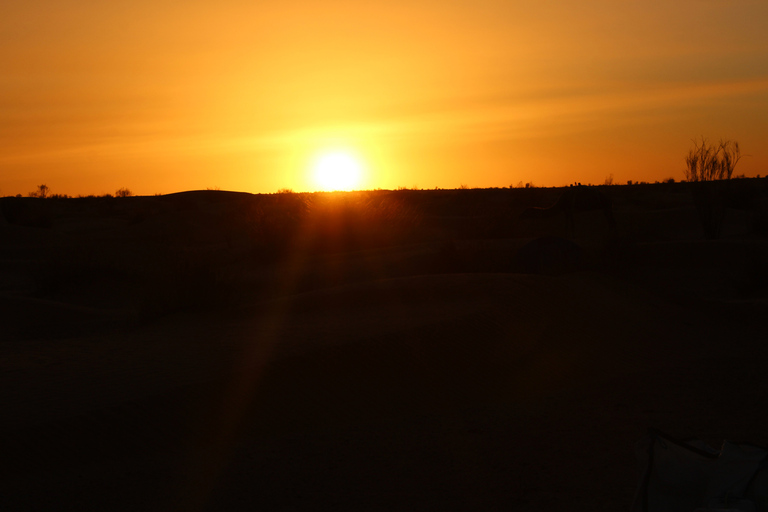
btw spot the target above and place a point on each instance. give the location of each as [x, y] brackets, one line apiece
[337, 171]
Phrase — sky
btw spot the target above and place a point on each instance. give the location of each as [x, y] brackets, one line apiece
[161, 96]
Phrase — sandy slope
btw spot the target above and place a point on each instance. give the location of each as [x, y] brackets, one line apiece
[146, 363]
[436, 392]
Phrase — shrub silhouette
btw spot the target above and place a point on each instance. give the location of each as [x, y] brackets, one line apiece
[706, 164]
[42, 192]
[709, 162]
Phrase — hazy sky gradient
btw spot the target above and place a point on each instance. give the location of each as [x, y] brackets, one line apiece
[161, 96]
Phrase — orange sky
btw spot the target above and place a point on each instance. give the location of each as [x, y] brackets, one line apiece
[167, 95]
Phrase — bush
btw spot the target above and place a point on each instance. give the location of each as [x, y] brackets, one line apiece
[123, 192]
[706, 164]
[709, 162]
[42, 192]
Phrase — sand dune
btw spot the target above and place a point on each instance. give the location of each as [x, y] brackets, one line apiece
[495, 371]
[140, 375]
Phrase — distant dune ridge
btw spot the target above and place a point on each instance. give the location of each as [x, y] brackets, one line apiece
[396, 349]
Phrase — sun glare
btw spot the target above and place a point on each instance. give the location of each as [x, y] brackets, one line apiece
[338, 170]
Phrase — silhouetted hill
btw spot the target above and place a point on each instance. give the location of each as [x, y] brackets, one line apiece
[213, 350]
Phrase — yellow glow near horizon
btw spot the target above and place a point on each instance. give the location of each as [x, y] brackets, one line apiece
[162, 96]
[337, 170]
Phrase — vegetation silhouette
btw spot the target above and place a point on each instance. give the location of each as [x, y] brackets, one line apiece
[42, 192]
[709, 168]
[709, 162]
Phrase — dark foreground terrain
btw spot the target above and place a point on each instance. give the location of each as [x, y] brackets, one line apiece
[405, 350]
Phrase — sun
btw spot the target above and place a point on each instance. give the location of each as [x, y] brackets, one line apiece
[337, 170]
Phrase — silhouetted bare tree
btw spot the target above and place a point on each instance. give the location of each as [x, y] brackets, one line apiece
[709, 162]
[42, 192]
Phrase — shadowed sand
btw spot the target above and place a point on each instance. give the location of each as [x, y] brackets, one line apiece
[384, 388]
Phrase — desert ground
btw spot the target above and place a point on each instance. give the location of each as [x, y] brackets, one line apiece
[378, 350]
